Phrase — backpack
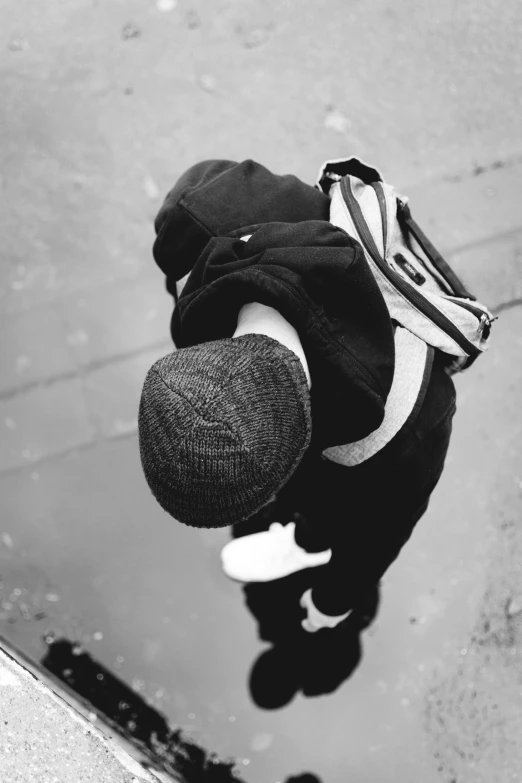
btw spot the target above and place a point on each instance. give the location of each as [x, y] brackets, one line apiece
[422, 292]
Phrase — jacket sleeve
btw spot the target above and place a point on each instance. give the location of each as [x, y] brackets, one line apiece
[316, 276]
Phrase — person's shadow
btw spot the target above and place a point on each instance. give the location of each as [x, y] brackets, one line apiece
[312, 663]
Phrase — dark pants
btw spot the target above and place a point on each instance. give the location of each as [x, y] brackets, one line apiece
[366, 513]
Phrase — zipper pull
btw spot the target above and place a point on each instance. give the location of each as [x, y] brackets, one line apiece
[485, 325]
[485, 320]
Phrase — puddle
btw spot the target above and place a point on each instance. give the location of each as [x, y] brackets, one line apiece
[128, 714]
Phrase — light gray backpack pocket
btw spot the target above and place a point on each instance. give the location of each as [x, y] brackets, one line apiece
[422, 292]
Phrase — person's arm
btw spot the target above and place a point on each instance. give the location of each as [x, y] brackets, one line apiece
[260, 319]
[256, 318]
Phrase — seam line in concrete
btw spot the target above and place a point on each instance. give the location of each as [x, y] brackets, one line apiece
[33, 465]
[509, 305]
[467, 174]
[512, 232]
[91, 288]
[84, 370]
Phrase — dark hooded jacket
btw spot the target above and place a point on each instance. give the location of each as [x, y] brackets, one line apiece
[316, 276]
[313, 273]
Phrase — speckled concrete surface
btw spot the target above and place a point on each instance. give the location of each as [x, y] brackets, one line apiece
[104, 104]
[43, 740]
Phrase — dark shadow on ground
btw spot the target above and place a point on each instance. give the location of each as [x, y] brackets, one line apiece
[313, 663]
[129, 715]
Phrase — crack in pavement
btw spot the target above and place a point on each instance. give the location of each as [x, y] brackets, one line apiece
[84, 370]
[508, 305]
[474, 244]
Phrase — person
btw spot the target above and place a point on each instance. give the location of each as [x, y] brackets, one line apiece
[285, 350]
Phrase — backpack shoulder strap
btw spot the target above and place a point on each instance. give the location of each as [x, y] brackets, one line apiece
[404, 215]
[413, 363]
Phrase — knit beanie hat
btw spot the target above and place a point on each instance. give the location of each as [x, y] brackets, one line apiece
[222, 427]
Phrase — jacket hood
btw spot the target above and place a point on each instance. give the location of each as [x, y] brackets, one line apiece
[225, 198]
[317, 277]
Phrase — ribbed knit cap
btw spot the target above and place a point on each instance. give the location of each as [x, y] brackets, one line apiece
[222, 427]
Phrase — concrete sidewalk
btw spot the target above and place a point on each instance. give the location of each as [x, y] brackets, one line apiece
[86, 554]
[44, 739]
[105, 105]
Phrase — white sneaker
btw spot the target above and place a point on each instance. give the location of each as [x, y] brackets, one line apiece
[271, 554]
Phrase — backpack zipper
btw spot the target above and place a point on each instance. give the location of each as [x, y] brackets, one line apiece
[417, 299]
[454, 284]
[381, 198]
[483, 317]
[472, 308]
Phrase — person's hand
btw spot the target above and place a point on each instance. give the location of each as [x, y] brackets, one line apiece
[316, 619]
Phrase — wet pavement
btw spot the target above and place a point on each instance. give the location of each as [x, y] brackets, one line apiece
[106, 104]
[85, 544]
